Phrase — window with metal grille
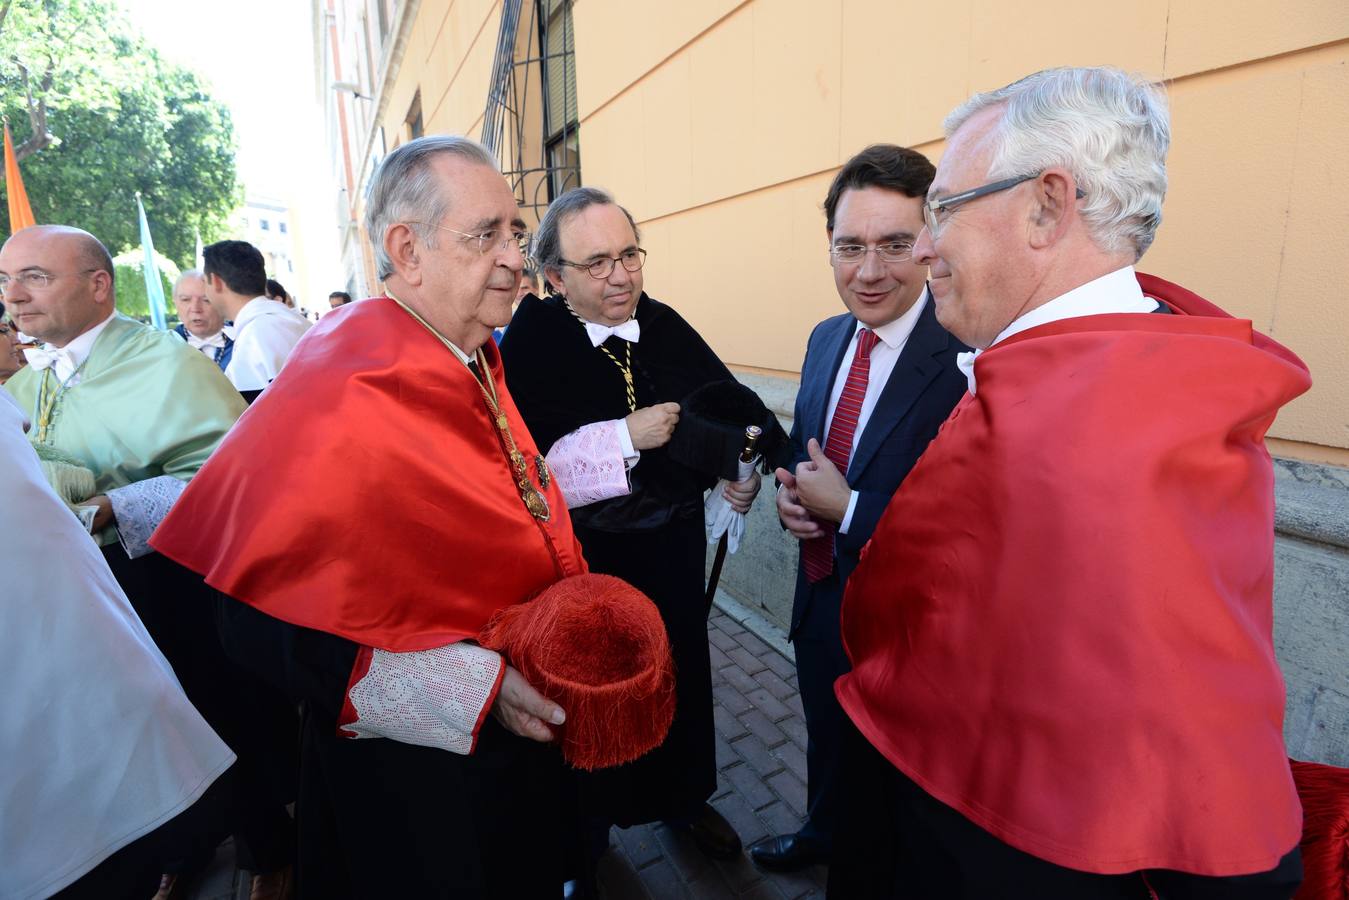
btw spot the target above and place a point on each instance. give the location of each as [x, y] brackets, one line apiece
[530, 122]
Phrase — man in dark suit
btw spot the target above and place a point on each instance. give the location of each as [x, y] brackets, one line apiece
[876, 384]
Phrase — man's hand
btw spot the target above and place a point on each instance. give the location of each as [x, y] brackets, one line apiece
[820, 487]
[793, 515]
[523, 710]
[741, 494]
[104, 517]
[651, 426]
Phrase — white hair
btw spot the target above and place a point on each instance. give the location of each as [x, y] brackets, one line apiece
[404, 190]
[1109, 128]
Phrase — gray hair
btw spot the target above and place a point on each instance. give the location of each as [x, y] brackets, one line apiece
[1109, 128]
[548, 239]
[404, 190]
[190, 273]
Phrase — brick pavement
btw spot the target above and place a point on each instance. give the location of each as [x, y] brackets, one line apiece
[761, 790]
[761, 785]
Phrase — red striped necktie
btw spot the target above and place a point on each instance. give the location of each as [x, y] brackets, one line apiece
[818, 553]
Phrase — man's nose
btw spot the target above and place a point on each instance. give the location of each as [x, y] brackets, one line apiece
[924, 249]
[619, 275]
[872, 268]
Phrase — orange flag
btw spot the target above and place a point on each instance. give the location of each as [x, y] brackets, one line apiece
[20, 213]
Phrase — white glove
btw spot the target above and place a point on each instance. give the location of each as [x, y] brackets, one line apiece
[718, 516]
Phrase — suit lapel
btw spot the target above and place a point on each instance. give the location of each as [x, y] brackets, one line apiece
[837, 344]
[914, 371]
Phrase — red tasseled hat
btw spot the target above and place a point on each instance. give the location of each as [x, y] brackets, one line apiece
[1324, 791]
[597, 647]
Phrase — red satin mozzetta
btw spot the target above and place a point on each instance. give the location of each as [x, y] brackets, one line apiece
[1062, 625]
[366, 493]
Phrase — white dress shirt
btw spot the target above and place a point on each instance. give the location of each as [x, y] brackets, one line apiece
[207, 345]
[1116, 292]
[892, 338]
[67, 360]
[265, 332]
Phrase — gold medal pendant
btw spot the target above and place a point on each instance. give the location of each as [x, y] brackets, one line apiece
[534, 502]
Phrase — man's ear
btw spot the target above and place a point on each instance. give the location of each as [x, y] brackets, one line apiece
[1055, 206]
[103, 287]
[554, 276]
[404, 251]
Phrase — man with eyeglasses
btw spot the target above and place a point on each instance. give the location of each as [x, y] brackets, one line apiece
[876, 384]
[425, 769]
[1063, 675]
[265, 330]
[599, 368]
[142, 411]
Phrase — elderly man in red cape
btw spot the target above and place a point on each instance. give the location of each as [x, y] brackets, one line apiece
[1064, 680]
[366, 518]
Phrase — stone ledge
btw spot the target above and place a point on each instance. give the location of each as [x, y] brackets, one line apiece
[1312, 502]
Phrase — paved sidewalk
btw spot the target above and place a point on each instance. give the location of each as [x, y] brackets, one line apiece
[761, 790]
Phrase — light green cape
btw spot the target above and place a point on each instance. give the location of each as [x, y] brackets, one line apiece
[147, 404]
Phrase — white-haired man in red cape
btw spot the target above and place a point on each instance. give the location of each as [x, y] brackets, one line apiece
[1064, 682]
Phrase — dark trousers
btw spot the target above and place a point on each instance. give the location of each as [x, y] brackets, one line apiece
[820, 661]
[257, 722]
[896, 841]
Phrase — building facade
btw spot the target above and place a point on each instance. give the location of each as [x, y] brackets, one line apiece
[719, 123]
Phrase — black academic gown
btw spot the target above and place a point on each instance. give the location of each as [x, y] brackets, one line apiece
[653, 538]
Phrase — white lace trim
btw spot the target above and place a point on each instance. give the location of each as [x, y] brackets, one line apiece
[434, 698]
[139, 507]
[589, 464]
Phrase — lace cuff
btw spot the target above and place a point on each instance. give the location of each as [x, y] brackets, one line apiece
[434, 698]
[139, 507]
[590, 464]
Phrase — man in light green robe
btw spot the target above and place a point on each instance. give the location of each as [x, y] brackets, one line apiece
[143, 414]
[142, 411]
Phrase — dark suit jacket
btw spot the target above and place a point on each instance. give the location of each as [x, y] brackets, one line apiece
[921, 392]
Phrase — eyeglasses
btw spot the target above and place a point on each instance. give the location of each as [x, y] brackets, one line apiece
[490, 240]
[889, 252]
[946, 204]
[632, 260]
[34, 279]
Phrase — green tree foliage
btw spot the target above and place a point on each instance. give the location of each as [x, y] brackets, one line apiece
[123, 120]
[129, 282]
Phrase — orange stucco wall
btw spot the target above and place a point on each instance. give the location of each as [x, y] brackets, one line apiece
[720, 122]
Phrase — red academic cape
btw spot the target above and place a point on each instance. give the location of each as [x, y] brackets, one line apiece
[366, 493]
[1061, 627]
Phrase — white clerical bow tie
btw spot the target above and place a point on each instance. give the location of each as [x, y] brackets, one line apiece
[215, 340]
[629, 331]
[965, 363]
[47, 358]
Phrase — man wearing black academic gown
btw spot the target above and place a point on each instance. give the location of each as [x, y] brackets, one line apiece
[598, 370]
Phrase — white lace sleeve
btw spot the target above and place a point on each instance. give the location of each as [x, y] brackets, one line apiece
[434, 698]
[591, 463]
[139, 507]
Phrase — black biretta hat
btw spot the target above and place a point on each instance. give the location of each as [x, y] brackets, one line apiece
[711, 431]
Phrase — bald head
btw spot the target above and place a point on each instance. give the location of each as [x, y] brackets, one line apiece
[58, 281]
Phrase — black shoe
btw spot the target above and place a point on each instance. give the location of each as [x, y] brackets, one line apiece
[787, 853]
[712, 833]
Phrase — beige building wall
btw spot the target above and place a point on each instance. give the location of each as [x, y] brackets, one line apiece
[719, 124]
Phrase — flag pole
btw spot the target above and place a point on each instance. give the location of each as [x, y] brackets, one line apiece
[154, 285]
